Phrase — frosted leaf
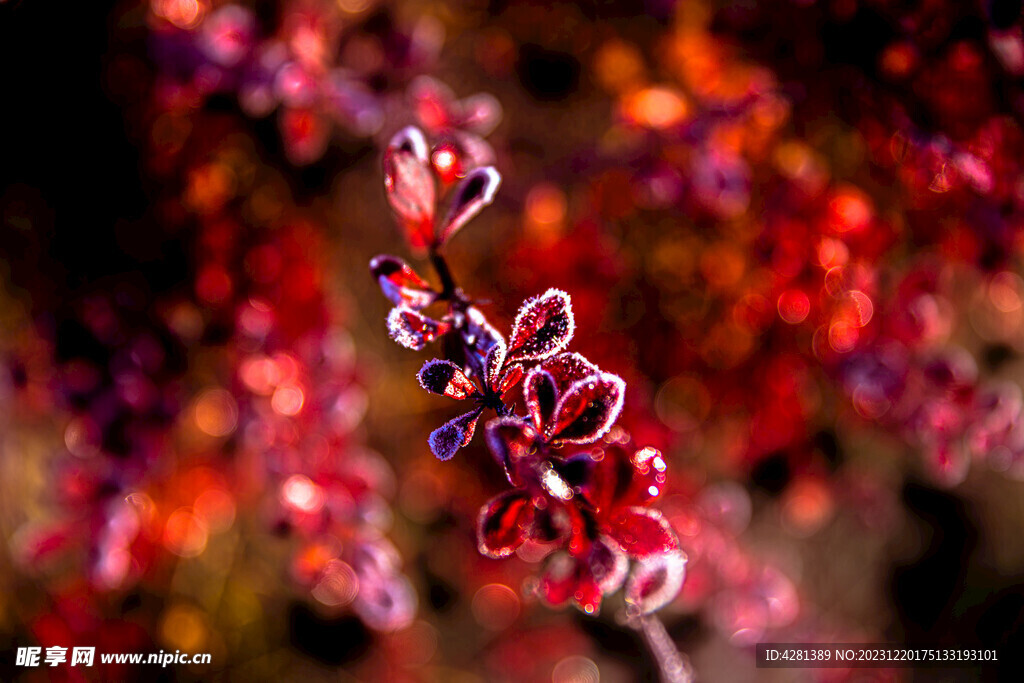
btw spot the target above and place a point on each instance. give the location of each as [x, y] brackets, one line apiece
[544, 326]
[445, 378]
[493, 363]
[508, 380]
[476, 191]
[453, 435]
[655, 581]
[540, 394]
[642, 532]
[504, 523]
[587, 409]
[412, 330]
[400, 283]
[568, 368]
[409, 181]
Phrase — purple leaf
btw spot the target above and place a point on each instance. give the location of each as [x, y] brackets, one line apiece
[504, 524]
[544, 326]
[445, 378]
[400, 283]
[656, 581]
[587, 409]
[471, 195]
[412, 330]
[510, 440]
[453, 435]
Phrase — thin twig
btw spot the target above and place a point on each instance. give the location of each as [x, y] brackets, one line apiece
[672, 665]
[449, 290]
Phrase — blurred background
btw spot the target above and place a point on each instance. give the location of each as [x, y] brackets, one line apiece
[793, 227]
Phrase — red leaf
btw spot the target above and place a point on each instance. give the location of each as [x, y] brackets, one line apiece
[642, 532]
[616, 480]
[438, 110]
[432, 101]
[544, 326]
[566, 577]
[587, 409]
[568, 368]
[551, 523]
[504, 523]
[412, 330]
[587, 594]
[558, 582]
[409, 181]
[509, 379]
[479, 113]
[656, 581]
[445, 378]
[400, 283]
[453, 435]
[475, 192]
